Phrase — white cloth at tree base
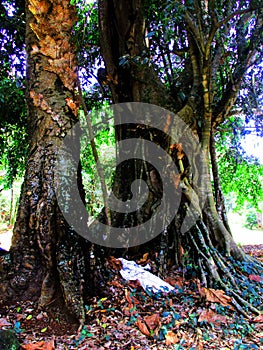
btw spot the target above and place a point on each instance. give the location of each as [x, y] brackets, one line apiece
[132, 271]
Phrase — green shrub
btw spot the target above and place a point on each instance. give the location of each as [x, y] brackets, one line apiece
[251, 219]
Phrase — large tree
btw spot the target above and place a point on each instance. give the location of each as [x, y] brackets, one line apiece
[48, 260]
[191, 59]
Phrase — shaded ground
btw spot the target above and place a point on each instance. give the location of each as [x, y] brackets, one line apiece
[124, 317]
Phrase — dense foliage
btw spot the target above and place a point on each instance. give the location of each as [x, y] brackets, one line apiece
[231, 36]
[240, 175]
[13, 133]
[168, 51]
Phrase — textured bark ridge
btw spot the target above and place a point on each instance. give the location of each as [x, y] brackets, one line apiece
[207, 245]
[48, 259]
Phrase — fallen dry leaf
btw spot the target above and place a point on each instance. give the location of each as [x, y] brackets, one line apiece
[131, 299]
[144, 260]
[258, 319]
[178, 281]
[41, 345]
[142, 327]
[152, 321]
[171, 338]
[216, 296]
[114, 263]
[134, 284]
[211, 316]
[149, 324]
[127, 296]
[199, 339]
[116, 284]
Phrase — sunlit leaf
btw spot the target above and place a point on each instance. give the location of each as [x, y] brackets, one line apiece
[171, 338]
[42, 345]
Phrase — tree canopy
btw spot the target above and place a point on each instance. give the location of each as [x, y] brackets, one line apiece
[231, 33]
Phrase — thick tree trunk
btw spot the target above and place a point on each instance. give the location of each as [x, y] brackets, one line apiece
[49, 261]
[219, 196]
[140, 83]
[208, 243]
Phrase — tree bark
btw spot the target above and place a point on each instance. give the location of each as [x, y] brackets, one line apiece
[219, 196]
[48, 259]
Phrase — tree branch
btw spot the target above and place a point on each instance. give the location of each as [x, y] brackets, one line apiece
[234, 14]
[96, 157]
[229, 97]
[195, 33]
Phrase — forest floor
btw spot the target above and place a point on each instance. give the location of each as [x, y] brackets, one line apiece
[125, 317]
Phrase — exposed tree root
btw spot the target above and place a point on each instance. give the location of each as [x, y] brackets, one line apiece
[216, 270]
